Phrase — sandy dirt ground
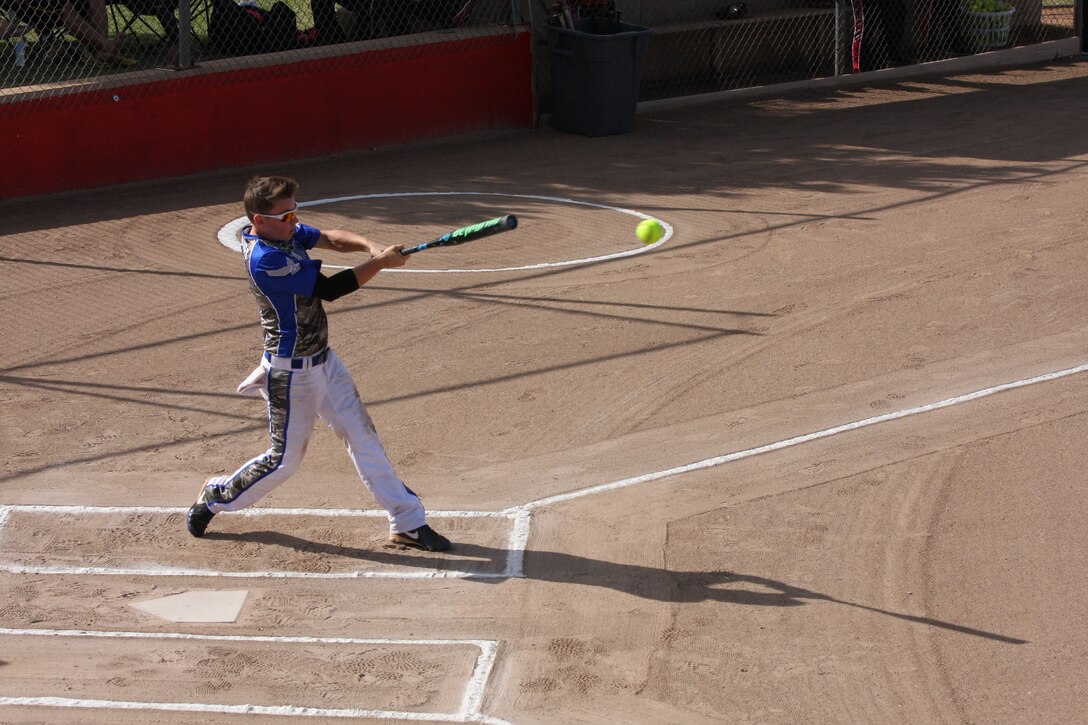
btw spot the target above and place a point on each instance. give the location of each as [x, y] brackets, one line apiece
[837, 257]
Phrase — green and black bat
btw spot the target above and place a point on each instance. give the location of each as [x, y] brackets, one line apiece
[467, 234]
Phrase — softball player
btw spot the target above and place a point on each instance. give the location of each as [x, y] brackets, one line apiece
[300, 377]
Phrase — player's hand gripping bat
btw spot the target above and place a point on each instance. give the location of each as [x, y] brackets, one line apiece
[467, 234]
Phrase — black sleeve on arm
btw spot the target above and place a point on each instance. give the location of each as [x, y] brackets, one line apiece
[336, 286]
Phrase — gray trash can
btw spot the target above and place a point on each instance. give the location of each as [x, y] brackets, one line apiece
[596, 71]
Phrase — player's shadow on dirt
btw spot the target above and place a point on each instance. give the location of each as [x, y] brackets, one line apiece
[642, 581]
[718, 586]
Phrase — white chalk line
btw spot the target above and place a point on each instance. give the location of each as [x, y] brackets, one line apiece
[166, 571]
[254, 511]
[473, 701]
[42, 570]
[284, 710]
[230, 233]
[521, 516]
[481, 644]
[779, 445]
[518, 542]
[469, 710]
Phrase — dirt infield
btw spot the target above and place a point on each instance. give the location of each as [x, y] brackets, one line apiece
[704, 483]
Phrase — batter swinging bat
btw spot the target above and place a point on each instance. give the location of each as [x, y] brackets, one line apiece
[467, 234]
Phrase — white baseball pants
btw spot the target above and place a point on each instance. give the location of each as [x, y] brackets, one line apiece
[296, 398]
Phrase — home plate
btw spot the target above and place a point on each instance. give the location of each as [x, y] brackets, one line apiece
[202, 606]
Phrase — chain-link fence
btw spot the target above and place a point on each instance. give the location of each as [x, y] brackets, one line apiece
[54, 48]
[700, 46]
[59, 47]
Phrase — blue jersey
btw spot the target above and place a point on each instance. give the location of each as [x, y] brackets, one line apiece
[282, 277]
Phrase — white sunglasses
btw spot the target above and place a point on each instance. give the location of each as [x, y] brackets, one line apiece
[288, 216]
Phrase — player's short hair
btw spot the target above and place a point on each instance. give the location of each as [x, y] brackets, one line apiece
[262, 193]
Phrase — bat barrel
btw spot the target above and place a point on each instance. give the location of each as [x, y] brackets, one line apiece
[467, 234]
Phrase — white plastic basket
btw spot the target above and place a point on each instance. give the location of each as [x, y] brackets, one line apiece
[989, 30]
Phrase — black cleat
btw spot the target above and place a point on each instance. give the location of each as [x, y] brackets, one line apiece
[424, 538]
[199, 516]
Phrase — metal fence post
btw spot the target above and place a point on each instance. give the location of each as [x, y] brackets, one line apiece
[838, 37]
[1081, 25]
[185, 37]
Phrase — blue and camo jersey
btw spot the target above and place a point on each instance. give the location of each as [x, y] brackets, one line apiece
[282, 277]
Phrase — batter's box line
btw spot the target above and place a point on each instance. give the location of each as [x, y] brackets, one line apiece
[520, 514]
[513, 568]
[469, 712]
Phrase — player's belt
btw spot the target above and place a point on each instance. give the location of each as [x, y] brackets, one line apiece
[296, 363]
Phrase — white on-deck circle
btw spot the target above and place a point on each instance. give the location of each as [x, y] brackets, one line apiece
[230, 234]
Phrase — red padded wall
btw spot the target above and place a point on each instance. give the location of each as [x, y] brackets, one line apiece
[208, 121]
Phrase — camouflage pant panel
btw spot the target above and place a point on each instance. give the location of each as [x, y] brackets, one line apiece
[264, 464]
